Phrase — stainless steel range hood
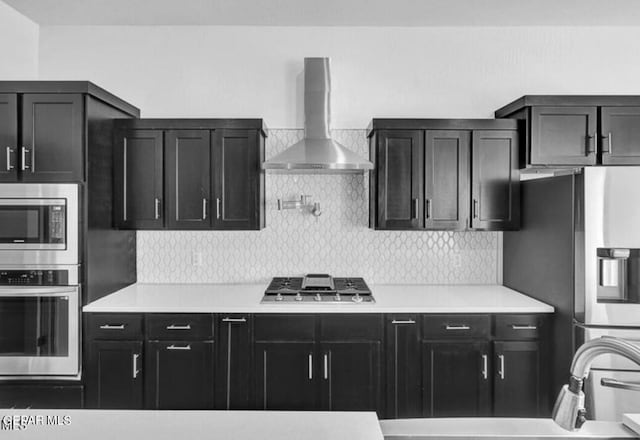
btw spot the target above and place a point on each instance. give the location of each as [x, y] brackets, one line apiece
[317, 152]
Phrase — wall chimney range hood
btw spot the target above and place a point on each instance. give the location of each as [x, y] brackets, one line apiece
[317, 152]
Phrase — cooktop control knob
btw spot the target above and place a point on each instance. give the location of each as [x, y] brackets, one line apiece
[318, 297]
[298, 297]
[357, 298]
[279, 297]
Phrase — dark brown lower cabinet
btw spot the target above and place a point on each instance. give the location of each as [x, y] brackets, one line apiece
[456, 378]
[114, 375]
[234, 376]
[350, 376]
[518, 388]
[286, 376]
[28, 396]
[403, 367]
[179, 374]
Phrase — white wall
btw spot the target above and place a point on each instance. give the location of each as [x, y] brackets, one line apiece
[18, 45]
[377, 72]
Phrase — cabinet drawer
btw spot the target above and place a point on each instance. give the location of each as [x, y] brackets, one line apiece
[114, 326]
[517, 327]
[285, 327]
[174, 326]
[456, 326]
[345, 327]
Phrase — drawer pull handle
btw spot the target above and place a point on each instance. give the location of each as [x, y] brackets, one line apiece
[179, 327]
[524, 327]
[234, 319]
[112, 327]
[457, 327]
[179, 347]
[403, 321]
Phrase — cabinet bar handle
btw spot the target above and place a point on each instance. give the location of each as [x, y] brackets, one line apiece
[524, 327]
[501, 370]
[326, 366]
[415, 208]
[218, 208]
[427, 207]
[204, 209]
[403, 321]
[310, 366]
[157, 207]
[9, 165]
[179, 347]
[610, 143]
[24, 158]
[179, 327]
[234, 320]
[608, 382]
[112, 327]
[485, 367]
[135, 365]
[475, 208]
[457, 327]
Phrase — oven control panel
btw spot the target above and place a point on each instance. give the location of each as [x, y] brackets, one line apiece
[34, 277]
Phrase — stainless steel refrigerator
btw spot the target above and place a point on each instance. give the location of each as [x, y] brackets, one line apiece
[578, 249]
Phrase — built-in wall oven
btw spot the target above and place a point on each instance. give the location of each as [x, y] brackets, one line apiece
[39, 281]
[39, 224]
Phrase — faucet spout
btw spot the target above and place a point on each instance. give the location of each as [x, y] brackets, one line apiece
[569, 411]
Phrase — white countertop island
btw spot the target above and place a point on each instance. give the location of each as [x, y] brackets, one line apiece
[190, 425]
[245, 298]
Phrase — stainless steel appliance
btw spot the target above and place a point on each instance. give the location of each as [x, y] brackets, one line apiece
[579, 250]
[39, 224]
[39, 322]
[317, 289]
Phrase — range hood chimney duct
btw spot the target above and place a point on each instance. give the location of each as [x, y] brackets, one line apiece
[317, 152]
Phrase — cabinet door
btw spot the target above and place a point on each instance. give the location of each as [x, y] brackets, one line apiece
[138, 179]
[236, 172]
[8, 138]
[53, 136]
[286, 376]
[400, 179]
[350, 373]
[404, 367]
[234, 368]
[563, 136]
[179, 375]
[446, 173]
[495, 179]
[518, 387]
[41, 396]
[456, 378]
[114, 375]
[620, 127]
[188, 179]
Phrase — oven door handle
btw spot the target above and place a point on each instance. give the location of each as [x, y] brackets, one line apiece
[35, 291]
[613, 383]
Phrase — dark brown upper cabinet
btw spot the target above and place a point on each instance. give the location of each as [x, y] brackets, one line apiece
[444, 174]
[577, 130]
[42, 136]
[189, 174]
[495, 180]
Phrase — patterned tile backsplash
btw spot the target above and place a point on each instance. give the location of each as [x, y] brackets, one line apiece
[338, 242]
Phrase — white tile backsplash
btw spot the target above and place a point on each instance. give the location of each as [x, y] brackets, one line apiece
[339, 242]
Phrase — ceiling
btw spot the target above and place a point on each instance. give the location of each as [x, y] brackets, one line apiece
[332, 12]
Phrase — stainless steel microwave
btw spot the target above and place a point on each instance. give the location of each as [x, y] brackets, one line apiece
[39, 224]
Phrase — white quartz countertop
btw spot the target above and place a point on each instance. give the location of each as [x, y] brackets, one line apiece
[496, 427]
[245, 298]
[193, 425]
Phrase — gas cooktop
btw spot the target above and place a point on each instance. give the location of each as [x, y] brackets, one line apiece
[318, 289]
